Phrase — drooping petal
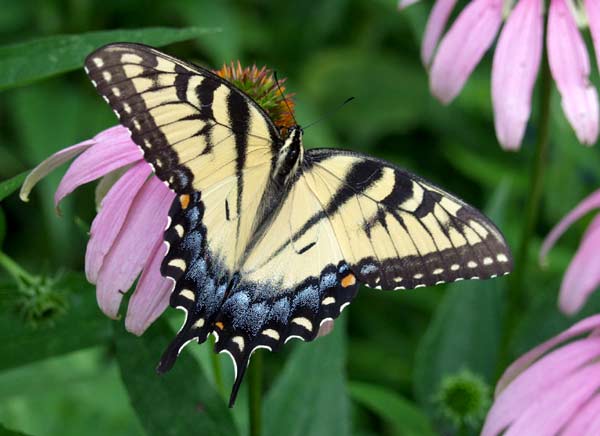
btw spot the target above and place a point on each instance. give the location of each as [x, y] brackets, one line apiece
[516, 64]
[592, 9]
[587, 420]
[463, 47]
[50, 164]
[589, 203]
[537, 380]
[582, 327]
[132, 248]
[111, 216]
[403, 4]
[112, 149]
[582, 276]
[570, 66]
[325, 328]
[151, 296]
[550, 412]
[435, 26]
[107, 182]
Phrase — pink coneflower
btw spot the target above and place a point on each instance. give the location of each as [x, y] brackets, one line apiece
[451, 58]
[126, 238]
[552, 389]
[583, 275]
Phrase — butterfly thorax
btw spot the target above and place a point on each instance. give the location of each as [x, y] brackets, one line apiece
[285, 170]
[288, 158]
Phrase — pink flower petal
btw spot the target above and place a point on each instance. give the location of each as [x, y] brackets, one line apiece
[463, 47]
[549, 413]
[584, 326]
[325, 328]
[516, 64]
[403, 4]
[590, 202]
[151, 296]
[111, 216]
[50, 164]
[113, 149]
[435, 26]
[592, 9]
[132, 249]
[587, 420]
[537, 380]
[570, 66]
[582, 276]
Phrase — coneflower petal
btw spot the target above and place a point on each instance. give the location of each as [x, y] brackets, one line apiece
[112, 149]
[517, 367]
[547, 414]
[151, 295]
[592, 9]
[435, 26]
[516, 64]
[582, 276]
[586, 422]
[111, 216]
[535, 378]
[570, 66]
[133, 247]
[50, 164]
[589, 203]
[463, 46]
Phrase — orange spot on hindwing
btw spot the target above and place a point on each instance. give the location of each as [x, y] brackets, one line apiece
[349, 280]
[219, 325]
[184, 200]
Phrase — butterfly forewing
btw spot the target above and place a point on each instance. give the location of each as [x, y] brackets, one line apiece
[193, 127]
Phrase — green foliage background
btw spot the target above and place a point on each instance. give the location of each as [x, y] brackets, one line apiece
[381, 369]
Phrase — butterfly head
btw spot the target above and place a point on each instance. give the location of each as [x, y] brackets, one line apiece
[290, 155]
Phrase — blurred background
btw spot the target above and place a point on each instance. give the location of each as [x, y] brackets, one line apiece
[388, 366]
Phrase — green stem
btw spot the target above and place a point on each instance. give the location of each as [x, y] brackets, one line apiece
[535, 191]
[516, 294]
[15, 270]
[255, 393]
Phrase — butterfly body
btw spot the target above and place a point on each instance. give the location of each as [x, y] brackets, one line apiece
[266, 240]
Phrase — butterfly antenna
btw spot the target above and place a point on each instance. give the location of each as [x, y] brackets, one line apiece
[284, 99]
[333, 111]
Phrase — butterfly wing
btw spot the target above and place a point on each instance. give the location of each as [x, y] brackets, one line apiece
[212, 145]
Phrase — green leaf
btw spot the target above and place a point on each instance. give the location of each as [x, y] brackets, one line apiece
[309, 397]
[6, 432]
[82, 326]
[465, 334]
[26, 62]
[401, 414]
[177, 403]
[9, 186]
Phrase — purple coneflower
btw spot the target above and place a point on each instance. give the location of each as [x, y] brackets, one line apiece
[126, 234]
[452, 58]
[126, 238]
[552, 389]
[582, 276]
